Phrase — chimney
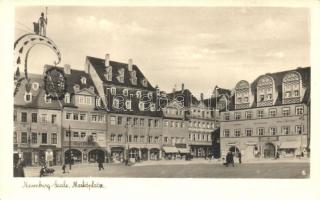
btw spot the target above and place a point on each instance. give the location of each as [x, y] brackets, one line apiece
[130, 64]
[107, 60]
[182, 87]
[67, 69]
[201, 97]
[45, 68]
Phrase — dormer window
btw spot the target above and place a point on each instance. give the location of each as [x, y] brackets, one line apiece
[152, 107]
[296, 93]
[133, 77]
[292, 87]
[125, 92]
[138, 94]
[91, 88]
[144, 83]
[35, 86]
[83, 80]
[115, 103]
[150, 95]
[28, 97]
[108, 74]
[113, 91]
[141, 106]
[265, 90]
[98, 102]
[241, 95]
[67, 98]
[76, 88]
[128, 104]
[47, 99]
[120, 76]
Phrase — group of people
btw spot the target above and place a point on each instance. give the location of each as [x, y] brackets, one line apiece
[230, 159]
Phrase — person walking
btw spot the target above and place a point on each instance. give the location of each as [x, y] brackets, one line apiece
[100, 164]
[239, 156]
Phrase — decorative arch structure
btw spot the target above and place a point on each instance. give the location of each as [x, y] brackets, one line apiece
[265, 91]
[242, 95]
[291, 88]
[22, 48]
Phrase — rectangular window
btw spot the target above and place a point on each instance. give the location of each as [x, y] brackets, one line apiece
[135, 121]
[288, 94]
[75, 134]
[15, 115]
[248, 115]
[67, 134]
[156, 123]
[24, 137]
[249, 132]
[299, 110]
[299, 129]
[75, 116]
[226, 133]
[237, 115]
[149, 122]
[83, 117]
[150, 139]
[81, 99]
[273, 131]
[113, 138]
[227, 116]
[135, 138]
[53, 118]
[44, 118]
[166, 139]
[260, 113]
[83, 135]
[285, 130]
[142, 138]
[260, 131]
[141, 122]
[68, 115]
[272, 112]
[15, 137]
[119, 138]
[237, 133]
[44, 139]
[285, 111]
[296, 93]
[53, 138]
[112, 120]
[94, 118]
[34, 117]
[34, 138]
[24, 117]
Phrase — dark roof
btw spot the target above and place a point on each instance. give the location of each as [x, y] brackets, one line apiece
[186, 95]
[38, 96]
[99, 66]
[305, 73]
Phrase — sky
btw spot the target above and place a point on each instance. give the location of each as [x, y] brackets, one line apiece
[198, 46]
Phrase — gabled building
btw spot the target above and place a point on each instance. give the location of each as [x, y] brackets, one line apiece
[270, 117]
[37, 124]
[134, 122]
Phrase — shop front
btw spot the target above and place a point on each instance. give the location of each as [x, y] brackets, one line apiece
[201, 151]
[73, 156]
[96, 155]
[290, 149]
[154, 154]
[117, 154]
[170, 152]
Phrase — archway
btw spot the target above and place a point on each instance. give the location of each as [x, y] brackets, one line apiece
[74, 156]
[154, 154]
[235, 150]
[96, 155]
[144, 154]
[133, 153]
[269, 150]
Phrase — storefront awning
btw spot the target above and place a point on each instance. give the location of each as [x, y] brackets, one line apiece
[183, 150]
[290, 145]
[170, 149]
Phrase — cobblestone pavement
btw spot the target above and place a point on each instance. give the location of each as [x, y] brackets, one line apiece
[187, 169]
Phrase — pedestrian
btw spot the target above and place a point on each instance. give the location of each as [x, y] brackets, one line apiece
[232, 159]
[100, 164]
[239, 156]
[64, 168]
[18, 170]
[228, 159]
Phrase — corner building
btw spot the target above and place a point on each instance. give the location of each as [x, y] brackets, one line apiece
[269, 118]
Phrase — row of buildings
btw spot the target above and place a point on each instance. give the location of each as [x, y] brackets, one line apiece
[110, 111]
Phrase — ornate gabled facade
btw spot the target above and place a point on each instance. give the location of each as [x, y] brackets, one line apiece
[276, 123]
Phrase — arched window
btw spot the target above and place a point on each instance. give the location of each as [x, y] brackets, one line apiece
[291, 87]
[67, 98]
[265, 93]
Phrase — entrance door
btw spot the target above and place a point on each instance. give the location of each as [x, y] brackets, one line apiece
[27, 158]
[144, 154]
[96, 155]
[269, 150]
